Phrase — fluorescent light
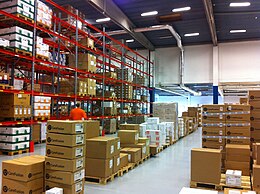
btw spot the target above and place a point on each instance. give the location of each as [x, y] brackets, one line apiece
[181, 9]
[103, 20]
[165, 37]
[192, 34]
[149, 13]
[242, 4]
[237, 31]
[130, 40]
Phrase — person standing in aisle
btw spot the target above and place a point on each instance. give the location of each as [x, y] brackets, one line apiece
[77, 113]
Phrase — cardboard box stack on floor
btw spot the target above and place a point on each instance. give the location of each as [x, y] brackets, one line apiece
[38, 133]
[256, 168]
[102, 156]
[14, 138]
[254, 102]
[238, 191]
[23, 175]
[65, 151]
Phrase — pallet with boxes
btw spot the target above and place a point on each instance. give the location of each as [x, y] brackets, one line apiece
[254, 102]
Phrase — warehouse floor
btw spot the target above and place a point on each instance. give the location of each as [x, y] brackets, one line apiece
[166, 173]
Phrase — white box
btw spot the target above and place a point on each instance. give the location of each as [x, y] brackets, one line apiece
[15, 130]
[4, 42]
[43, 130]
[156, 137]
[108, 104]
[196, 191]
[152, 127]
[14, 138]
[142, 130]
[18, 84]
[238, 192]
[233, 178]
[153, 120]
[55, 190]
[14, 146]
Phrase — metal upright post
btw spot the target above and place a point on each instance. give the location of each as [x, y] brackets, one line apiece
[135, 65]
[103, 79]
[53, 75]
[122, 78]
[76, 59]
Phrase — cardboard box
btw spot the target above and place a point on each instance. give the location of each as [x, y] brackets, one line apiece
[123, 160]
[256, 177]
[238, 117]
[233, 178]
[116, 164]
[128, 136]
[130, 127]
[238, 140]
[23, 169]
[142, 146]
[16, 99]
[242, 131]
[255, 116]
[14, 186]
[255, 126]
[54, 190]
[64, 164]
[117, 145]
[241, 166]
[206, 165]
[214, 131]
[254, 95]
[65, 152]
[92, 129]
[100, 147]
[36, 133]
[236, 191]
[67, 178]
[77, 188]
[144, 140]
[255, 106]
[100, 168]
[241, 150]
[237, 108]
[65, 139]
[136, 154]
[213, 117]
[185, 190]
[257, 153]
[213, 108]
[154, 149]
[65, 127]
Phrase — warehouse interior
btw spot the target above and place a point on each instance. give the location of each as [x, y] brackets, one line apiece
[132, 96]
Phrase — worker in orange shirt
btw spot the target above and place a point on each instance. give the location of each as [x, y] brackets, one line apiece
[78, 113]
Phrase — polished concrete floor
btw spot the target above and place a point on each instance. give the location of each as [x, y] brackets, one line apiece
[166, 174]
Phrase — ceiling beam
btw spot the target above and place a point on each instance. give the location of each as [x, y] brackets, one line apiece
[111, 10]
[211, 21]
[236, 13]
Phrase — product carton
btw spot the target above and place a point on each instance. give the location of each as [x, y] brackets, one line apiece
[214, 131]
[123, 160]
[236, 191]
[77, 188]
[239, 153]
[245, 117]
[117, 145]
[130, 127]
[92, 129]
[238, 140]
[100, 147]
[15, 99]
[65, 127]
[237, 108]
[244, 167]
[233, 178]
[64, 164]
[213, 117]
[154, 149]
[213, 108]
[101, 168]
[242, 131]
[135, 153]
[116, 164]
[65, 152]
[54, 190]
[142, 146]
[67, 178]
[128, 136]
[65, 139]
[206, 165]
[256, 177]
[254, 95]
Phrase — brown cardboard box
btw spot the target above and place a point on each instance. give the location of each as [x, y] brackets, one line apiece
[255, 116]
[254, 151]
[100, 147]
[255, 126]
[67, 178]
[65, 139]
[243, 100]
[100, 168]
[11, 111]
[243, 150]
[255, 106]
[123, 160]
[10, 186]
[237, 108]
[117, 145]
[16, 99]
[214, 145]
[36, 133]
[238, 140]
[213, 108]
[206, 165]
[213, 117]
[243, 166]
[116, 164]
[254, 95]
[64, 164]
[256, 177]
[65, 127]
[185, 114]
[128, 136]
[257, 150]
[77, 188]
[23, 169]
[65, 152]
[136, 154]
[243, 131]
[130, 127]
[144, 140]
[142, 146]
[214, 131]
[238, 117]
[154, 149]
[92, 129]
[84, 61]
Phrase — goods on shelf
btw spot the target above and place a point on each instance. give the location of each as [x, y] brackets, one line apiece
[65, 165]
[4, 42]
[42, 107]
[4, 78]
[31, 174]
[19, 38]
[254, 102]
[124, 92]
[88, 42]
[110, 108]
[42, 50]
[23, 8]
[86, 62]
[127, 74]
[138, 79]
[44, 14]
[110, 125]
[55, 57]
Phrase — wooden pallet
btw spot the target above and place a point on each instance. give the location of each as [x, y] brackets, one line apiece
[22, 52]
[11, 153]
[125, 169]
[166, 145]
[6, 87]
[134, 165]
[4, 18]
[41, 118]
[103, 181]
[15, 119]
[44, 58]
[43, 25]
[146, 158]
[160, 149]
[245, 184]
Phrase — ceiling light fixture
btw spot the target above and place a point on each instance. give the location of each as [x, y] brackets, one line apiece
[237, 31]
[149, 13]
[165, 37]
[242, 4]
[192, 34]
[103, 20]
[130, 40]
[181, 9]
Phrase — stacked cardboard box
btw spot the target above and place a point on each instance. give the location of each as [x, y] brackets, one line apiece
[19, 38]
[138, 79]
[124, 92]
[15, 106]
[243, 100]
[110, 108]
[181, 128]
[110, 125]
[65, 151]
[42, 49]
[86, 62]
[38, 133]
[22, 7]
[238, 158]
[256, 167]
[23, 175]
[254, 101]
[44, 15]
[42, 107]
[4, 78]
[14, 138]
[170, 132]
[102, 156]
[88, 42]
[127, 74]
